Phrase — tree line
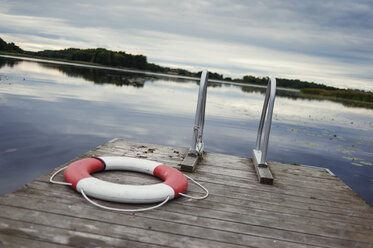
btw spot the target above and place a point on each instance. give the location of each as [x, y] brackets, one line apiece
[9, 47]
[356, 95]
[100, 56]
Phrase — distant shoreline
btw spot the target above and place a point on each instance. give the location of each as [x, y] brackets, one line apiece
[347, 98]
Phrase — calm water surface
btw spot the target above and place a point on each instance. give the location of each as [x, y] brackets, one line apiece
[52, 113]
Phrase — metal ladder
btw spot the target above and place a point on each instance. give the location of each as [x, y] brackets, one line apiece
[259, 153]
[196, 150]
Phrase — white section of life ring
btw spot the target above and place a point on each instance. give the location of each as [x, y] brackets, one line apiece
[129, 164]
[123, 192]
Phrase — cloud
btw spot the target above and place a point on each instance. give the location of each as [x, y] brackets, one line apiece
[328, 42]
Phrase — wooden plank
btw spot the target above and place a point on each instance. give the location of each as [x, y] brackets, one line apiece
[60, 236]
[206, 236]
[261, 217]
[148, 236]
[14, 238]
[214, 229]
[258, 210]
[223, 203]
[335, 186]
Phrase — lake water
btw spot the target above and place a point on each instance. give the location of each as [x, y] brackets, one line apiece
[51, 113]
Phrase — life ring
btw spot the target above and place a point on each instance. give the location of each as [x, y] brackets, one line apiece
[79, 172]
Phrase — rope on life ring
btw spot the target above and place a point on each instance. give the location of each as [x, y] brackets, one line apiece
[78, 175]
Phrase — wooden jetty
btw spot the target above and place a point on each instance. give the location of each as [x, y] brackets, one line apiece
[305, 207]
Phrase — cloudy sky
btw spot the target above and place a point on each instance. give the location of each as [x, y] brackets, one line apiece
[325, 41]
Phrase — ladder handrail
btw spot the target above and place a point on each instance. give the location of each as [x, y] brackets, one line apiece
[268, 105]
[259, 153]
[199, 121]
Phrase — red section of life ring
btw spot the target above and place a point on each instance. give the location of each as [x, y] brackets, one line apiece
[82, 169]
[172, 177]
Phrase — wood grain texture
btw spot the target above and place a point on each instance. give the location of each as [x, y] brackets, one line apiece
[306, 207]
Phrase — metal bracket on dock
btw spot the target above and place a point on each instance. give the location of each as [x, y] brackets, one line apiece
[260, 153]
[196, 151]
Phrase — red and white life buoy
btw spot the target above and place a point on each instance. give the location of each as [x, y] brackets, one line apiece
[79, 172]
